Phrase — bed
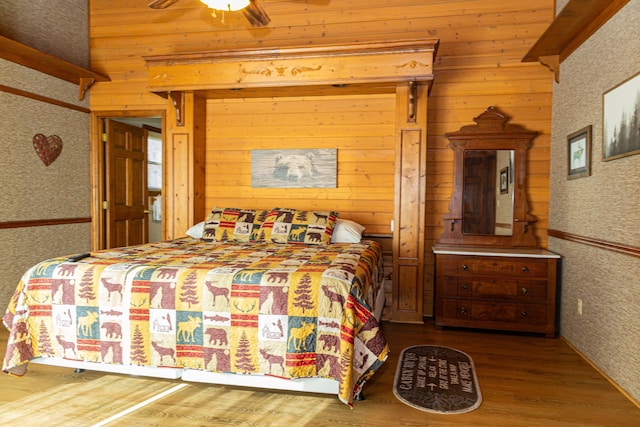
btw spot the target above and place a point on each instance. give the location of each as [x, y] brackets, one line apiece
[254, 298]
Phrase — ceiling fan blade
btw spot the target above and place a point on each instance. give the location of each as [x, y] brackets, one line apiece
[256, 14]
[161, 4]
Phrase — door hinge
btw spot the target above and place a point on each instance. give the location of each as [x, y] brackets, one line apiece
[105, 205]
[104, 137]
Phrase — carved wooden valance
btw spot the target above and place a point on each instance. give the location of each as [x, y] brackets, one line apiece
[367, 67]
[329, 65]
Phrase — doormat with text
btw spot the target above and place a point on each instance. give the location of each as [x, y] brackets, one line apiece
[437, 379]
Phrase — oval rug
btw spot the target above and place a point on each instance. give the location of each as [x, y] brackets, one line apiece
[437, 379]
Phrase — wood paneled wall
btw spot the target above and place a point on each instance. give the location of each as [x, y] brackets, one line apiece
[478, 65]
[361, 126]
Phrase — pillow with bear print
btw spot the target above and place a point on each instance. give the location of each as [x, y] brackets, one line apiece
[284, 225]
[233, 225]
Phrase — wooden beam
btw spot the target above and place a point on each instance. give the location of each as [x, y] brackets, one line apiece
[577, 21]
[306, 66]
[48, 64]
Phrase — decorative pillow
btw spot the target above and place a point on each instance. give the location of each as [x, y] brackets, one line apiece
[347, 231]
[233, 225]
[196, 231]
[283, 225]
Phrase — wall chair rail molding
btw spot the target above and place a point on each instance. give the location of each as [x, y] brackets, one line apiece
[633, 251]
[36, 97]
[43, 222]
[575, 23]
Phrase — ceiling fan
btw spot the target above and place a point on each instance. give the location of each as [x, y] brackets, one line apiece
[251, 9]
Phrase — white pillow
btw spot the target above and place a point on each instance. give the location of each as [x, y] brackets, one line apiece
[196, 231]
[347, 231]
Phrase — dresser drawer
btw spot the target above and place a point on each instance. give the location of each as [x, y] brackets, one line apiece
[488, 287]
[517, 267]
[495, 312]
[530, 314]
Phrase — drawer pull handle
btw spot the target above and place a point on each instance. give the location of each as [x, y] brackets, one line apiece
[465, 286]
[465, 267]
[525, 269]
[463, 311]
[524, 314]
[525, 291]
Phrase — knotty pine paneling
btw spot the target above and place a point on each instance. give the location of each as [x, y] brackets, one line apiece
[360, 127]
[477, 65]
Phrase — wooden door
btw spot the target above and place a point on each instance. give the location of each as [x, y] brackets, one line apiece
[125, 185]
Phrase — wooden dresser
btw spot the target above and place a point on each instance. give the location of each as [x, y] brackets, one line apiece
[490, 272]
[495, 288]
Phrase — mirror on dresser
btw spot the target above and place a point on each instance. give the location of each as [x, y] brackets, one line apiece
[488, 206]
[487, 201]
[489, 271]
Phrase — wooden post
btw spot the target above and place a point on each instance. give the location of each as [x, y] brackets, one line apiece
[410, 202]
[184, 161]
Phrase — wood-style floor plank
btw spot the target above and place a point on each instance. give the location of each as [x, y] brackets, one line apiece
[524, 380]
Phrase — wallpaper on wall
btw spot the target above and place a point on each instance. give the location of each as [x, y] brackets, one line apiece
[602, 206]
[31, 190]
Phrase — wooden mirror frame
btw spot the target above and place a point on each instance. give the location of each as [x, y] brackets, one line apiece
[491, 132]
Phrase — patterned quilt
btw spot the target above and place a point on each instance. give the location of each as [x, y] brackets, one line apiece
[291, 311]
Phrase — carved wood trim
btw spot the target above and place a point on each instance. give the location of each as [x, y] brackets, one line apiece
[83, 86]
[491, 132]
[43, 222]
[383, 63]
[552, 62]
[633, 251]
[177, 99]
[412, 99]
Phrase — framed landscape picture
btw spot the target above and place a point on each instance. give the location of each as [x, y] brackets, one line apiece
[621, 110]
[579, 153]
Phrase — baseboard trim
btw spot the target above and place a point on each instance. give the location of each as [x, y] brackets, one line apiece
[601, 372]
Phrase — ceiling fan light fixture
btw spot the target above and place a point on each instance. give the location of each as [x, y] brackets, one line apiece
[226, 5]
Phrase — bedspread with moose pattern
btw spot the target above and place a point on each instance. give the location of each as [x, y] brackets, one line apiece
[290, 311]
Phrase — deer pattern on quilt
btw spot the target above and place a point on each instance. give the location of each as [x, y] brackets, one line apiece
[285, 310]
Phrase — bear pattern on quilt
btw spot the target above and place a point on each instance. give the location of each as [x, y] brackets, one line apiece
[284, 310]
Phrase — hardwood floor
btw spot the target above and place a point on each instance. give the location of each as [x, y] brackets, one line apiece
[524, 380]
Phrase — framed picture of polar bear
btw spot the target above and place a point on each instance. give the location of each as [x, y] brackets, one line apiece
[294, 168]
